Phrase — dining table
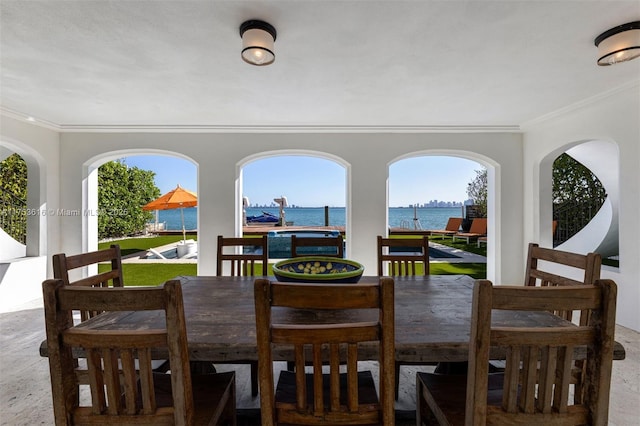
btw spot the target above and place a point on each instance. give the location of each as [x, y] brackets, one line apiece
[432, 319]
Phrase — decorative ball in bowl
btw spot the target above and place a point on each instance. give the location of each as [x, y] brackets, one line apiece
[318, 269]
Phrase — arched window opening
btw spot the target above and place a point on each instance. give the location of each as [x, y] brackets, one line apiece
[309, 184]
[424, 192]
[119, 186]
[289, 192]
[585, 199]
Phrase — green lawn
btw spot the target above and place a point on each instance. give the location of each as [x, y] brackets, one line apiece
[474, 270]
[136, 274]
[133, 245]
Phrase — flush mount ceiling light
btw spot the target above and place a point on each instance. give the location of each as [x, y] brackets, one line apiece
[619, 44]
[257, 42]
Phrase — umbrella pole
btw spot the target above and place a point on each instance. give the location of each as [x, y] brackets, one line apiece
[184, 233]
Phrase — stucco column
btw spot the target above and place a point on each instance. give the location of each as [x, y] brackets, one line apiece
[367, 217]
[216, 207]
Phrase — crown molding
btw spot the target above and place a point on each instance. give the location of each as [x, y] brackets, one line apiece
[98, 128]
[578, 105]
[289, 129]
[7, 112]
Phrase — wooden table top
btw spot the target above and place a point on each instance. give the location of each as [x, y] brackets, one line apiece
[432, 319]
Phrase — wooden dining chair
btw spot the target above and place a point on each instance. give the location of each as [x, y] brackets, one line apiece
[550, 267]
[304, 246]
[535, 386]
[65, 267]
[231, 252]
[403, 257]
[308, 246]
[123, 387]
[478, 229]
[314, 398]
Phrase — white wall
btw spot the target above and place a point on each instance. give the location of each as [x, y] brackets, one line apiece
[367, 155]
[611, 119]
[40, 148]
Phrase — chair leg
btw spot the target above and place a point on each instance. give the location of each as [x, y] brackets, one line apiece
[230, 413]
[419, 402]
[254, 378]
[397, 366]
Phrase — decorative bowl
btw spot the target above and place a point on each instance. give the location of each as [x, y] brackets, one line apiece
[318, 269]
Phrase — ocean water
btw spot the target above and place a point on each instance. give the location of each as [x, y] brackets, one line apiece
[428, 218]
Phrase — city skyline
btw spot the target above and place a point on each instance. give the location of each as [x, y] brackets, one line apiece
[429, 204]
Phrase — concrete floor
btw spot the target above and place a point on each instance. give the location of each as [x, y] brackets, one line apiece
[25, 394]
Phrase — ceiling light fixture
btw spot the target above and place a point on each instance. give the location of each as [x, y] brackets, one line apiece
[619, 44]
[257, 42]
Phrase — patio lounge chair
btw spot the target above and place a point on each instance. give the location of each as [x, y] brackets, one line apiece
[453, 226]
[478, 229]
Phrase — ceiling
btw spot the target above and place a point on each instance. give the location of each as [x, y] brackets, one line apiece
[339, 64]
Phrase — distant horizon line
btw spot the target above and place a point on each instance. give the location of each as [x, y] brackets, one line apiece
[342, 207]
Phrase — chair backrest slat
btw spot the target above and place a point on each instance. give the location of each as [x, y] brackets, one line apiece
[409, 255]
[540, 361]
[239, 262]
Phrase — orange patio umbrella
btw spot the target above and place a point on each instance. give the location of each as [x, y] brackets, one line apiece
[178, 198]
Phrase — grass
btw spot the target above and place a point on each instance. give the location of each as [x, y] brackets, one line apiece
[133, 245]
[136, 274]
[474, 270]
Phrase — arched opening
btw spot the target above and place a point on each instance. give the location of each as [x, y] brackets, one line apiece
[598, 228]
[23, 266]
[170, 168]
[34, 211]
[313, 183]
[429, 202]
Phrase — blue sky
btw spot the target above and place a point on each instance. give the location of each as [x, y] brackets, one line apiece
[320, 182]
